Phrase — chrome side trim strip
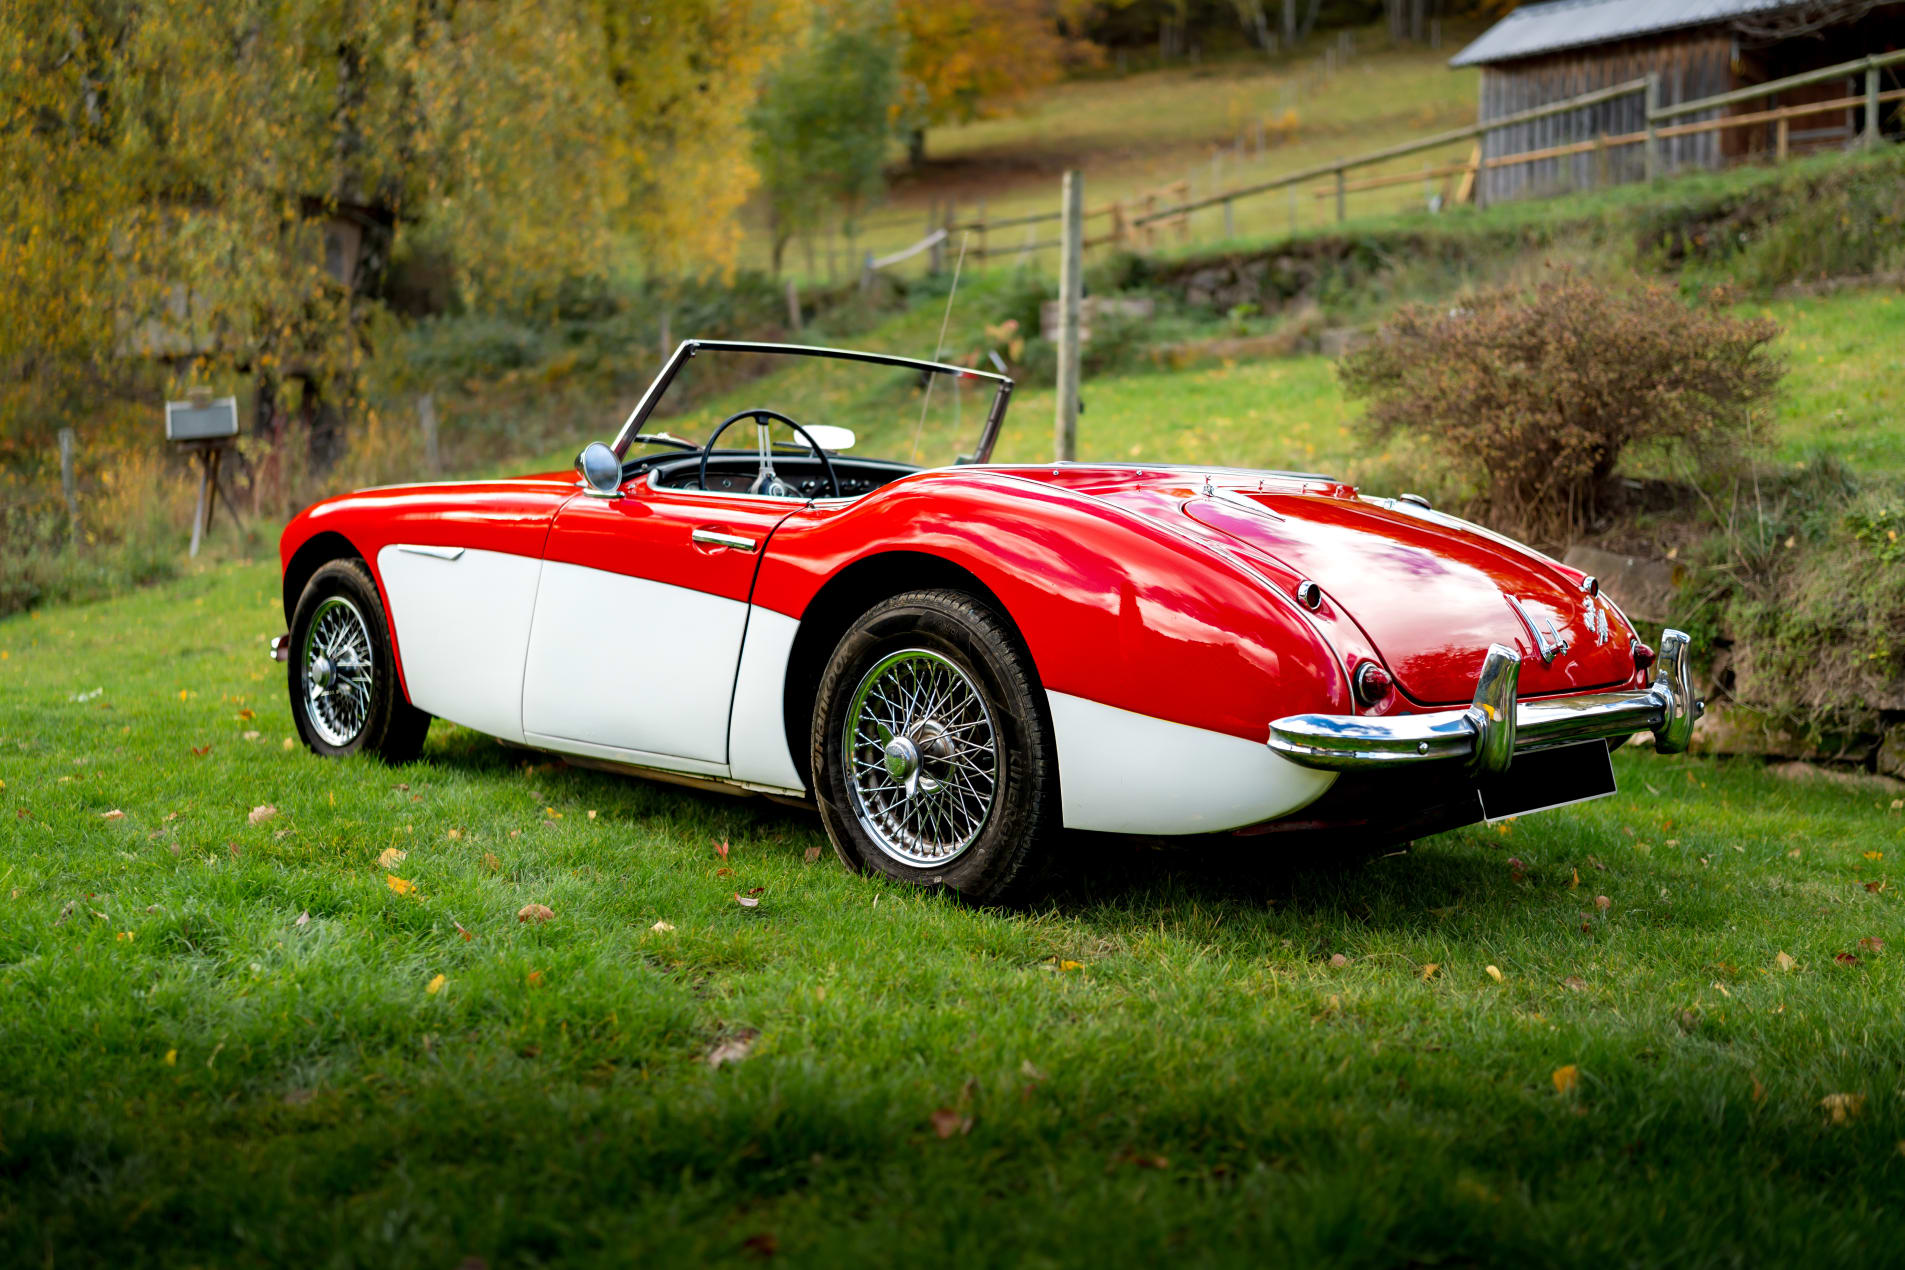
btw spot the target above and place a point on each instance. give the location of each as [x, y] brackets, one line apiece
[435, 553]
[1490, 732]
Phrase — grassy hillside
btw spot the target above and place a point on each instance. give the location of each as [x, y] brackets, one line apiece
[1660, 1027]
[1131, 134]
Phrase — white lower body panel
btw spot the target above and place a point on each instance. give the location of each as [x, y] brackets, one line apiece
[1122, 772]
[631, 665]
[462, 627]
[757, 735]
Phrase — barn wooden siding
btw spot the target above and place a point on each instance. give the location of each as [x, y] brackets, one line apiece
[1692, 64]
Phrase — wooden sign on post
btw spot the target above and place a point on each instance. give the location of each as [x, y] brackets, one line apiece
[207, 428]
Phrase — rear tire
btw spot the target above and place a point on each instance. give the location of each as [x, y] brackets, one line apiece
[933, 760]
[345, 697]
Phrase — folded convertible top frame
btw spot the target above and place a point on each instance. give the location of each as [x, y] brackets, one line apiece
[1493, 730]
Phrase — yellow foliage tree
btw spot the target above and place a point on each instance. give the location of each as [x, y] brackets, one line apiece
[969, 58]
[193, 180]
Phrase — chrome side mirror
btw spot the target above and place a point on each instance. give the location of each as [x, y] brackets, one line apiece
[600, 470]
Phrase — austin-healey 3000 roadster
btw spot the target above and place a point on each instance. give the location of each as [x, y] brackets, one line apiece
[957, 663]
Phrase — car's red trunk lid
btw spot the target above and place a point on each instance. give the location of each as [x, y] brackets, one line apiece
[1431, 596]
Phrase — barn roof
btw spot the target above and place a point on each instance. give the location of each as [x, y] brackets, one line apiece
[1566, 24]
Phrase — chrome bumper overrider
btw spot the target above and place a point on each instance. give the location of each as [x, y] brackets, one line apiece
[1489, 733]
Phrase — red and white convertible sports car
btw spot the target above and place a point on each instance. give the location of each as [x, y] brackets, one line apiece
[955, 663]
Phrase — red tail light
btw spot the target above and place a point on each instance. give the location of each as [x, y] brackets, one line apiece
[1372, 683]
[1643, 656]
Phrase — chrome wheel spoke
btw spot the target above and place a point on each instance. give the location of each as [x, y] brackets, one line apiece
[338, 671]
[922, 757]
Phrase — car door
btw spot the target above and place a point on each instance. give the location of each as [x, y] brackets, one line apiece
[639, 619]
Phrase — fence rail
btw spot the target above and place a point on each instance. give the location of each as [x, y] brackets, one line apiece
[1136, 221]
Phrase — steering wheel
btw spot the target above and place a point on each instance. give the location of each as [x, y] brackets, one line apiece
[765, 482]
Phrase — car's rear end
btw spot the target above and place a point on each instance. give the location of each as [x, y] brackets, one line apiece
[1487, 680]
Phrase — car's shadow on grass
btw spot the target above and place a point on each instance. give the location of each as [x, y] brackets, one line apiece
[1105, 881]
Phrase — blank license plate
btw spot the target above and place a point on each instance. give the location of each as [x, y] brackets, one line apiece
[1548, 778]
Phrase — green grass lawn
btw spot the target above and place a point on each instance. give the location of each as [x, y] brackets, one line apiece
[227, 1042]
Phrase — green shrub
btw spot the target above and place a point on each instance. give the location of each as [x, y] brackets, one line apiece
[1534, 395]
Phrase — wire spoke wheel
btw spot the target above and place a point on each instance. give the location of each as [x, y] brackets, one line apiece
[922, 757]
[338, 665]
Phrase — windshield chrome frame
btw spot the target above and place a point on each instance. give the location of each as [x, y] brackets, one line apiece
[631, 429]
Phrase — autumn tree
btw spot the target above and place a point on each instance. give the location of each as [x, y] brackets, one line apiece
[968, 58]
[823, 121]
[217, 184]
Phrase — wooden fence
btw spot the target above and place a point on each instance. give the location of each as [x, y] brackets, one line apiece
[1136, 223]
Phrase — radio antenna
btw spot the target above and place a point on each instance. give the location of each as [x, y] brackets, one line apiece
[940, 347]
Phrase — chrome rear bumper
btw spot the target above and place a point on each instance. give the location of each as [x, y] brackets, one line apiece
[1489, 733]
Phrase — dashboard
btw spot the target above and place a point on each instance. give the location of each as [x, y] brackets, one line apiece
[733, 473]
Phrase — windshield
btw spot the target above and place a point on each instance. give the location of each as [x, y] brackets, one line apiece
[899, 410]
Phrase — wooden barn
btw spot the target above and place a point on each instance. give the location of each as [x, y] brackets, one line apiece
[1543, 53]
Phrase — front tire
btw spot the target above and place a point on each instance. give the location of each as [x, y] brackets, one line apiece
[933, 760]
[345, 697]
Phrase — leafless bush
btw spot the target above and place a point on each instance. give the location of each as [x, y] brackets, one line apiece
[1533, 394]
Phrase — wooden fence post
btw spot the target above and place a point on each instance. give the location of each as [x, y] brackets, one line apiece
[427, 420]
[1652, 157]
[981, 220]
[793, 305]
[69, 483]
[1871, 105]
[1600, 159]
[1481, 170]
[1230, 221]
[1071, 287]
[1342, 212]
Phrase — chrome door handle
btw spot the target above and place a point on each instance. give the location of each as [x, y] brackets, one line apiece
[715, 538]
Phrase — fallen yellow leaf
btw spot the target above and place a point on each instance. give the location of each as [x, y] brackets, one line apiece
[183, 694]
[259, 815]
[1874, 855]
[1064, 965]
[1785, 962]
[535, 978]
[398, 885]
[664, 927]
[1566, 1078]
[124, 936]
[390, 858]
[535, 913]
[171, 1058]
[591, 815]
[290, 744]
[454, 835]
[1493, 973]
[1843, 1107]
[1429, 968]
[434, 986]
